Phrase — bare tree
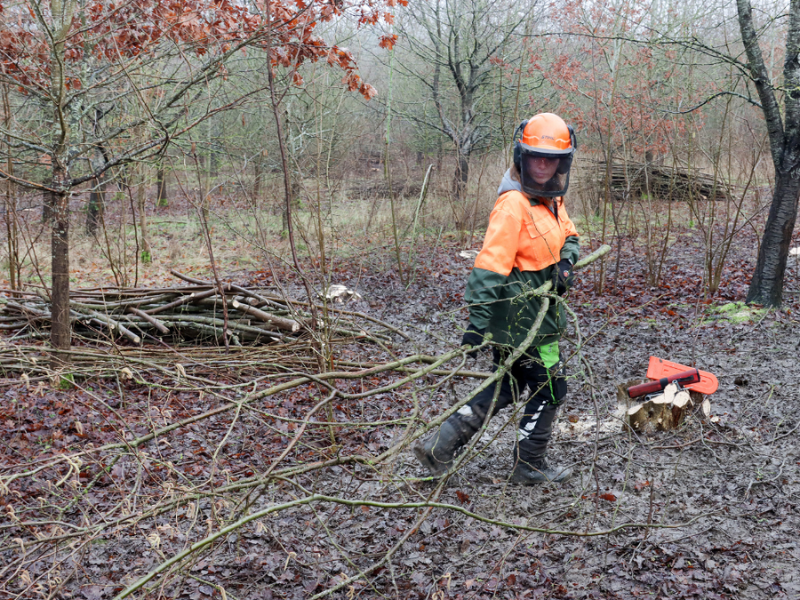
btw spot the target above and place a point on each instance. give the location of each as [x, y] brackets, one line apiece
[453, 43]
[766, 287]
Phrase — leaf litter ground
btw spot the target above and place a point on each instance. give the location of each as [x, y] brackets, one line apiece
[720, 498]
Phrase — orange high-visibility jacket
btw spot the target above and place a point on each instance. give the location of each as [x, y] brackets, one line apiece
[523, 243]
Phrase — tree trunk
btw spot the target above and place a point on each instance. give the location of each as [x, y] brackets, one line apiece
[161, 187]
[97, 205]
[460, 177]
[11, 202]
[60, 335]
[47, 207]
[766, 286]
[11, 234]
[141, 206]
[258, 175]
[214, 164]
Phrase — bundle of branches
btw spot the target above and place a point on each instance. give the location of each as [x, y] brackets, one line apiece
[628, 178]
[196, 365]
[199, 367]
[197, 313]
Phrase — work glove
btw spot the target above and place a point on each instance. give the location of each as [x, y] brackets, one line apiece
[473, 337]
[565, 278]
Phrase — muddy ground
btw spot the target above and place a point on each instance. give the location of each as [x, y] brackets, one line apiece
[723, 495]
[706, 511]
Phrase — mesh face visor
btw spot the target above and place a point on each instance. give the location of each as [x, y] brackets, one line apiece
[544, 174]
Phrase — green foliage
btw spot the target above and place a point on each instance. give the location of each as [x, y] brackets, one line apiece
[66, 381]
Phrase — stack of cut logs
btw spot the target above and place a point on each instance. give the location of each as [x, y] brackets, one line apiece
[194, 313]
[630, 179]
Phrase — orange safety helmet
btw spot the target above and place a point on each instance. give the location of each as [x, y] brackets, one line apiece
[544, 136]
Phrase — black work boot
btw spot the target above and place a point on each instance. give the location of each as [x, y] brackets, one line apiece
[437, 451]
[530, 466]
[538, 471]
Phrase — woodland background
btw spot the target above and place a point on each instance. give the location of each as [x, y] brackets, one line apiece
[288, 147]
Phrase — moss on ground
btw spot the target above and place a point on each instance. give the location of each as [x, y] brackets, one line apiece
[735, 312]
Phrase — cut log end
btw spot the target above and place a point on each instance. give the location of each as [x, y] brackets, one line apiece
[681, 399]
[663, 412]
[634, 409]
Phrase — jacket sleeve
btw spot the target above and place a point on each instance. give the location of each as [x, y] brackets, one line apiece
[492, 266]
[571, 249]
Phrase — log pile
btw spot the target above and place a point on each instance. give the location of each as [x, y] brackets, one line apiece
[195, 313]
[629, 179]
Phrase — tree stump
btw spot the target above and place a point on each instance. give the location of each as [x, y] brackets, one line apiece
[661, 412]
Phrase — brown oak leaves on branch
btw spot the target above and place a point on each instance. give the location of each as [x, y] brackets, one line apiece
[117, 32]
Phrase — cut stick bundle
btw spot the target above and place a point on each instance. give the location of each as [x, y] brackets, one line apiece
[629, 179]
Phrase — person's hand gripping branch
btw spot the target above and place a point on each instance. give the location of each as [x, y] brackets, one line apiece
[565, 278]
[472, 338]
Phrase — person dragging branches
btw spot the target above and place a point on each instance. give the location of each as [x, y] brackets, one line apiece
[530, 240]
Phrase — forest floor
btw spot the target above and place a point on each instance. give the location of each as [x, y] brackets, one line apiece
[709, 510]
